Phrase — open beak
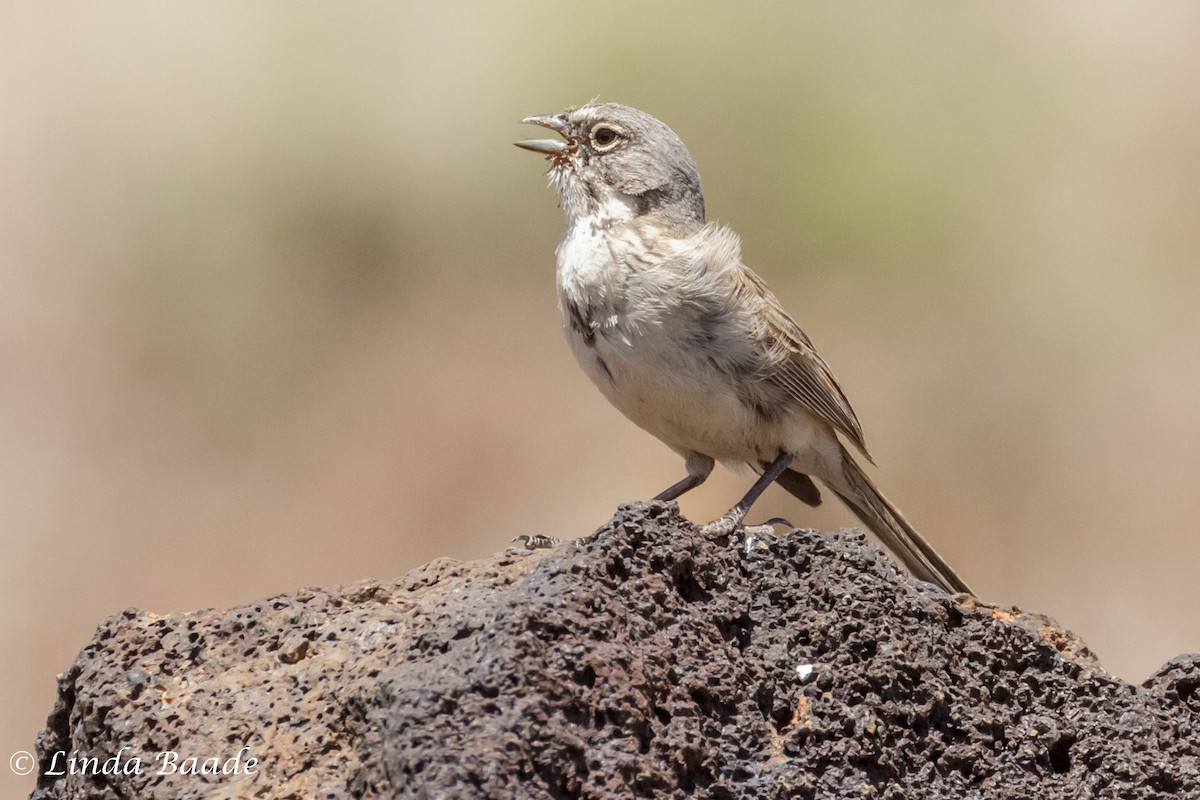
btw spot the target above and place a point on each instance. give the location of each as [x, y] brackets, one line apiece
[547, 147]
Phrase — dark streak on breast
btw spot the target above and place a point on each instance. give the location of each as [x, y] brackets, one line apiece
[593, 198]
[702, 337]
[607, 371]
[581, 325]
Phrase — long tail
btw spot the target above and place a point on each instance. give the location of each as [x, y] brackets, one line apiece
[886, 522]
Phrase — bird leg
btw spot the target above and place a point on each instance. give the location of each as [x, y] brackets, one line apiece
[699, 467]
[675, 490]
[732, 520]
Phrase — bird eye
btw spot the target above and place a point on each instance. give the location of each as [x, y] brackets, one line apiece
[604, 137]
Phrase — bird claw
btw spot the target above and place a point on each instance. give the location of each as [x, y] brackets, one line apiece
[723, 526]
[732, 523]
[538, 541]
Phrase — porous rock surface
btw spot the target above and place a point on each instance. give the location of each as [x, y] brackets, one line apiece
[642, 661]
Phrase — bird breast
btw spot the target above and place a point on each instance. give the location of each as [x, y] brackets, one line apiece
[657, 334]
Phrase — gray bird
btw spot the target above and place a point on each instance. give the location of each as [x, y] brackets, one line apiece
[685, 340]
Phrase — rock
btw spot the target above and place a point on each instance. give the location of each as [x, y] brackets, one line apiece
[642, 661]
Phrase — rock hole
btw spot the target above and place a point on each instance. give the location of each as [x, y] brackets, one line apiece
[703, 701]
[575, 715]
[616, 569]
[736, 630]
[645, 736]
[586, 676]
[954, 617]
[688, 587]
[1060, 754]
[694, 775]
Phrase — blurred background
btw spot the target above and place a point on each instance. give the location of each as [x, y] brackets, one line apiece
[278, 308]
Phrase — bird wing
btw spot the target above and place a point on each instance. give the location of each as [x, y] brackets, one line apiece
[792, 362]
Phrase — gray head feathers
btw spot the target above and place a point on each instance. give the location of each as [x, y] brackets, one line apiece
[615, 155]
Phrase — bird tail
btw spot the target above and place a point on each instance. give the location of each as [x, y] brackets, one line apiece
[886, 522]
[800, 486]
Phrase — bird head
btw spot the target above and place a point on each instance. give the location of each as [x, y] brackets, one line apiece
[617, 161]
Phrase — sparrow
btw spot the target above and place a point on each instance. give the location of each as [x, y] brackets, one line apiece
[686, 341]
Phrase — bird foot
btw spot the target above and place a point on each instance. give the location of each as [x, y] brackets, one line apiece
[750, 534]
[732, 523]
[538, 541]
[723, 526]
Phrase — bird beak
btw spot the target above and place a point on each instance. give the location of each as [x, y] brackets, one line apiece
[548, 147]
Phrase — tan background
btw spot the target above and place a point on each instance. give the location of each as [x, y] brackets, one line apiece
[277, 304]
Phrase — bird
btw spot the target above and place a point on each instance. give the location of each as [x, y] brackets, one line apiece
[689, 343]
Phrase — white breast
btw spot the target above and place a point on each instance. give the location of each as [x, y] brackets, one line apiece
[644, 317]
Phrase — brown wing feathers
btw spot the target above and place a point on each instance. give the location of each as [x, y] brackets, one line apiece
[793, 363]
